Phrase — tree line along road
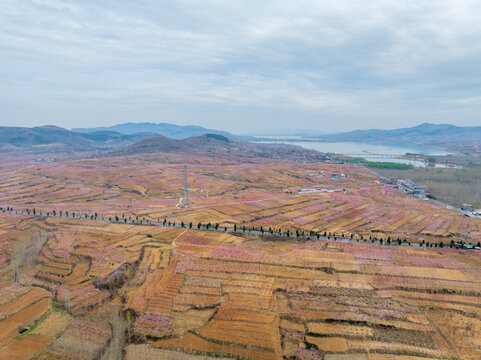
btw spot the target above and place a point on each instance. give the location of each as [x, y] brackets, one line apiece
[309, 235]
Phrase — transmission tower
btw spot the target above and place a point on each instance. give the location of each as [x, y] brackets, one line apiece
[186, 202]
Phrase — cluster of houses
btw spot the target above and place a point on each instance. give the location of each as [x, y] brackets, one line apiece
[411, 188]
[333, 177]
[468, 207]
[338, 176]
[46, 160]
[471, 211]
[317, 175]
[316, 190]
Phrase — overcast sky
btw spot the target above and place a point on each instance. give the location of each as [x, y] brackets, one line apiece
[242, 66]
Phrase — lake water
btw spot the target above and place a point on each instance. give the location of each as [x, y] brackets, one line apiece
[358, 149]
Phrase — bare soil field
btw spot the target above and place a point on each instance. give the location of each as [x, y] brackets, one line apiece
[262, 192]
[93, 288]
[251, 298]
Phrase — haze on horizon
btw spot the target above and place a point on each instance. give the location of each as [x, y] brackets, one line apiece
[240, 66]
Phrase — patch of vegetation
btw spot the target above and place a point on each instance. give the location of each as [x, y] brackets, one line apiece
[378, 165]
[309, 345]
[388, 165]
[355, 160]
[35, 325]
[217, 137]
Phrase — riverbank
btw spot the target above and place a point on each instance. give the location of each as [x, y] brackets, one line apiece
[413, 154]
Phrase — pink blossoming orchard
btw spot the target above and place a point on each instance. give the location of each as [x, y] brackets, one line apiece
[95, 274]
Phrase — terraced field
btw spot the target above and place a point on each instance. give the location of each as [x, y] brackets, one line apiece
[260, 193]
[81, 288]
[204, 293]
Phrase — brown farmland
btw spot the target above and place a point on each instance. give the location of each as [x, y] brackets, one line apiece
[96, 288]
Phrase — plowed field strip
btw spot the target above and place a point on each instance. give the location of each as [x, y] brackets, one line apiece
[23, 301]
[8, 327]
[198, 344]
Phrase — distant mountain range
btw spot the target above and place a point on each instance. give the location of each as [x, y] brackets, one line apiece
[427, 134]
[53, 138]
[286, 133]
[140, 137]
[169, 130]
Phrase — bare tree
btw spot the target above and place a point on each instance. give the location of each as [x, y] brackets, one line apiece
[25, 251]
[120, 328]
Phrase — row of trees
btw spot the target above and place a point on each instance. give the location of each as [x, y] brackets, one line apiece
[67, 214]
[217, 227]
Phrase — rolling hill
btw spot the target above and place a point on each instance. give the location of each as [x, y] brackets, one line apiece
[169, 130]
[194, 144]
[56, 140]
[429, 134]
[53, 138]
[215, 145]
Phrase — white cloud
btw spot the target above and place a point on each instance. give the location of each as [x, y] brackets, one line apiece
[338, 58]
[473, 100]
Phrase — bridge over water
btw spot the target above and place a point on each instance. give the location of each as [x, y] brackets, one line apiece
[381, 156]
[415, 157]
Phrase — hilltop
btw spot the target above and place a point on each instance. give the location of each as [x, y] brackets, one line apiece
[59, 141]
[219, 146]
[54, 139]
[188, 145]
[164, 129]
[429, 134]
